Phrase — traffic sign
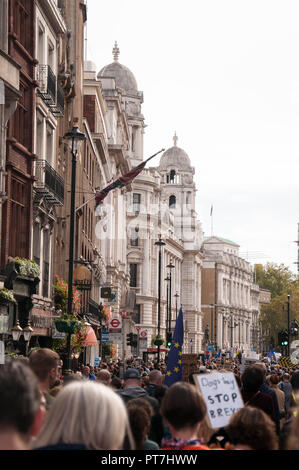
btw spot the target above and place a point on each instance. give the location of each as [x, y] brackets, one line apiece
[143, 334]
[105, 337]
[115, 324]
[138, 327]
[124, 313]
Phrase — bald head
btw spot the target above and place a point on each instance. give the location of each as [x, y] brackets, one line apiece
[155, 377]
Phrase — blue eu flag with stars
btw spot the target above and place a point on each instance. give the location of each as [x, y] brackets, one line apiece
[174, 362]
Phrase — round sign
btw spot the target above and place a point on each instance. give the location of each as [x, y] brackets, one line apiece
[115, 322]
[143, 334]
[124, 314]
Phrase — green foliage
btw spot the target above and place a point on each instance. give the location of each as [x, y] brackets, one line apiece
[274, 277]
[27, 267]
[7, 295]
[61, 295]
[274, 316]
[106, 349]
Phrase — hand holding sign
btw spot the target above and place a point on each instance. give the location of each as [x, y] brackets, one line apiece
[222, 396]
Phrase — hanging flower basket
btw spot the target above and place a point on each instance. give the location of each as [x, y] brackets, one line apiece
[158, 340]
[27, 267]
[68, 326]
[6, 296]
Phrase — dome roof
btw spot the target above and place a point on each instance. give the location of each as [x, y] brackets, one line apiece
[124, 78]
[175, 156]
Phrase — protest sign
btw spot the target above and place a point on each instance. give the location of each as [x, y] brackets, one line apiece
[221, 395]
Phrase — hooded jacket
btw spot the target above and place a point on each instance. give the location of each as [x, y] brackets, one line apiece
[157, 427]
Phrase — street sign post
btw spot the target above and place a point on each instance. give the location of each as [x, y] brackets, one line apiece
[115, 324]
[105, 337]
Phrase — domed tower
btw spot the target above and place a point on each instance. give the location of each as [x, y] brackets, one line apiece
[132, 99]
[179, 191]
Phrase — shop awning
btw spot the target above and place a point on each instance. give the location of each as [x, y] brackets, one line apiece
[91, 339]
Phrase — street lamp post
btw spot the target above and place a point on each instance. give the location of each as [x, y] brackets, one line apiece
[176, 305]
[170, 266]
[231, 326]
[159, 243]
[167, 279]
[75, 137]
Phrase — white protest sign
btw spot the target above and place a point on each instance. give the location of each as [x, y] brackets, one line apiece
[221, 395]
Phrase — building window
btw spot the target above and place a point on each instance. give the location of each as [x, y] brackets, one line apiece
[36, 242]
[21, 118]
[19, 238]
[136, 202]
[22, 19]
[134, 236]
[136, 315]
[133, 275]
[172, 176]
[172, 202]
[46, 263]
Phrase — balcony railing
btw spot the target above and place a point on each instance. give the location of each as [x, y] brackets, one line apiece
[58, 108]
[50, 90]
[49, 183]
[47, 84]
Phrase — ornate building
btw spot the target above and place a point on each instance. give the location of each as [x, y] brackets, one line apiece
[230, 298]
[159, 201]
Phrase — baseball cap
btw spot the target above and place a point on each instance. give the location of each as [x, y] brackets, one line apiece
[132, 374]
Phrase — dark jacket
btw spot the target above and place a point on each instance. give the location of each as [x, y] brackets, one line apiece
[260, 400]
[269, 391]
[157, 428]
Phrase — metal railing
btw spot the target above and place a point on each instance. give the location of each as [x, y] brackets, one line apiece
[58, 108]
[47, 83]
[50, 89]
[49, 183]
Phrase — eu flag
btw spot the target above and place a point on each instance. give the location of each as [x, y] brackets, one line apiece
[174, 362]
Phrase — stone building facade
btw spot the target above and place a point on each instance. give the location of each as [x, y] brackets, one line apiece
[230, 298]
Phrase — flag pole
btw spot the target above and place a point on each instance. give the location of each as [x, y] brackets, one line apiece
[162, 150]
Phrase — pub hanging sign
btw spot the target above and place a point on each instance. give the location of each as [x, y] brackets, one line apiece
[82, 278]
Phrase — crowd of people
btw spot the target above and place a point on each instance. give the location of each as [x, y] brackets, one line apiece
[43, 407]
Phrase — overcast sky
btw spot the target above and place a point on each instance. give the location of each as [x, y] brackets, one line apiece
[223, 74]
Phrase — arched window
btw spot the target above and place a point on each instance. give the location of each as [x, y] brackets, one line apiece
[172, 202]
[172, 176]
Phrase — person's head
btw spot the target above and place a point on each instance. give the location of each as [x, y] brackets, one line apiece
[104, 377]
[22, 411]
[286, 377]
[140, 420]
[86, 413]
[273, 380]
[252, 378]
[183, 408]
[155, 377]
[116, 383]
[263, 368]
[253, 428]
[45, 363]
[132, 378]
[86, 371]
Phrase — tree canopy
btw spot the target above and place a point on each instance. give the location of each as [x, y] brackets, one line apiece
[281, 282]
